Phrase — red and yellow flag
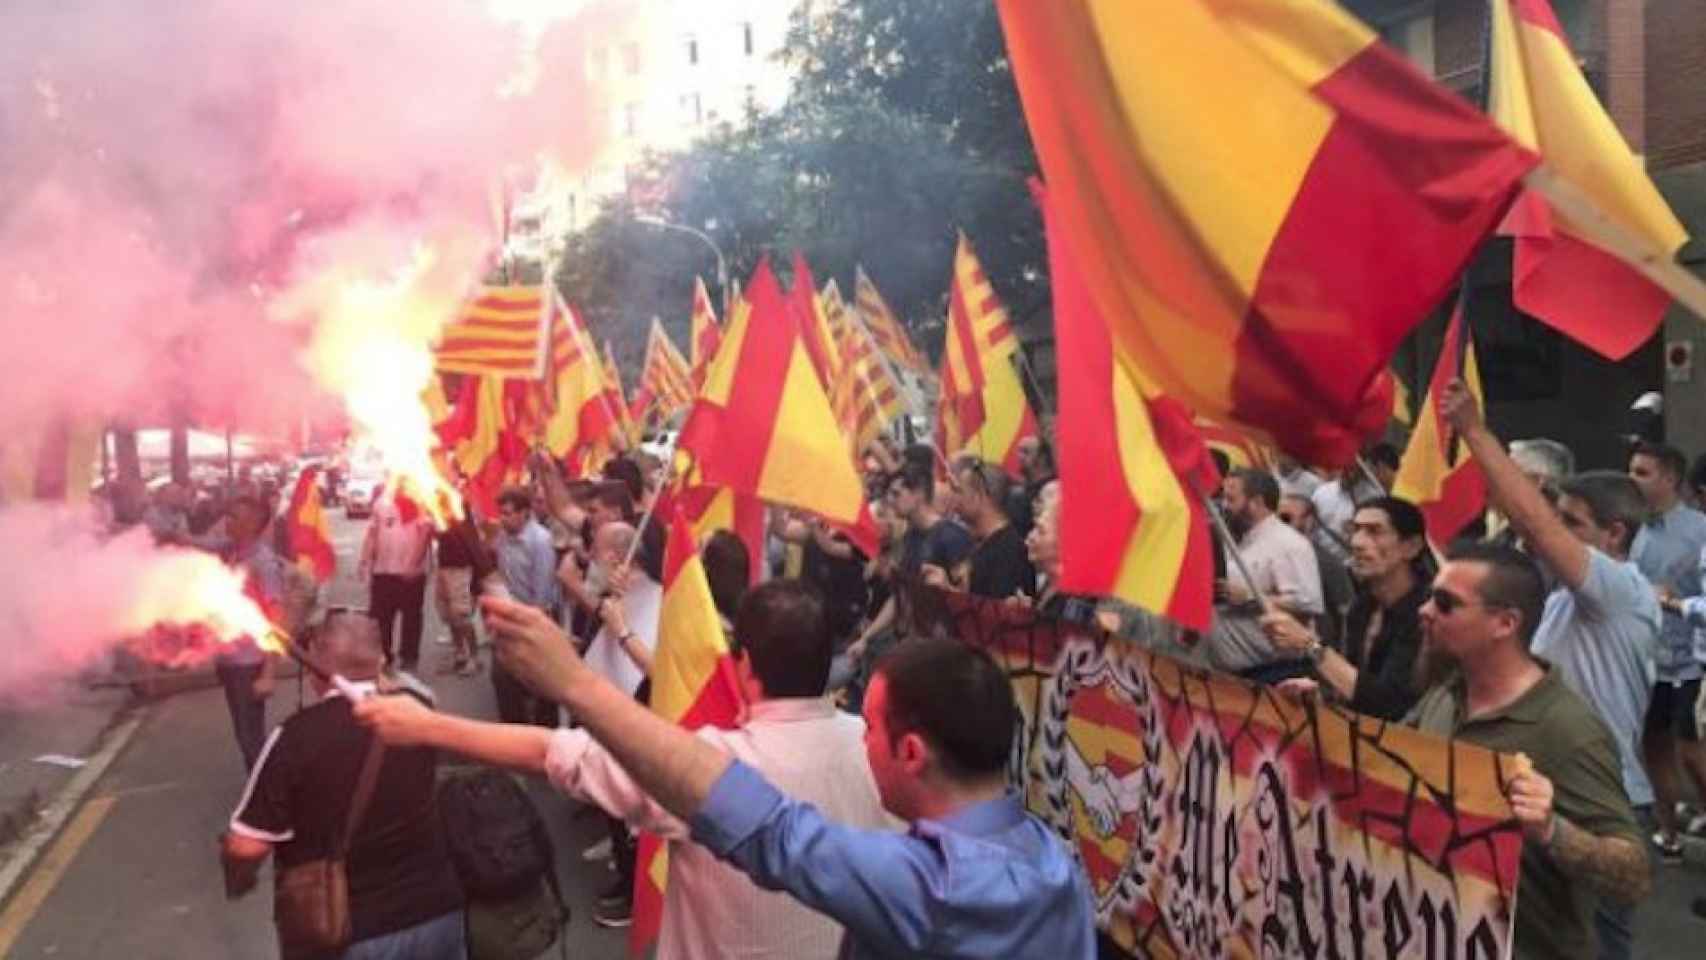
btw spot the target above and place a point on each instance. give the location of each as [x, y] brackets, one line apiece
[762, 424]
[617, 396]
[1437, 474]
[710, 509]
[502, 331]
[813, 322]
[885, 326]
[1264, 199]
[1239, 449]
[581, 416]
[693, 685]
[488, 434]
[1133, 469]
[1538, 95]
[310, 535]
[866, 397]
[707, 334]
[981, 406]
[666, 381]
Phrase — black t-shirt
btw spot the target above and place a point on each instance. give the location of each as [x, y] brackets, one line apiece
[841, 581]
[453, 553]
[298, 798]
[999, 566]
[944, 545]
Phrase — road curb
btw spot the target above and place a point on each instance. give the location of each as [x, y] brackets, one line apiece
[65, 803]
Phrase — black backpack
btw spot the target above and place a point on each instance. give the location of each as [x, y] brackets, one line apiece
[505, 861]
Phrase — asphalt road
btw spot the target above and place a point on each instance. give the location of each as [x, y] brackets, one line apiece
[135, 876]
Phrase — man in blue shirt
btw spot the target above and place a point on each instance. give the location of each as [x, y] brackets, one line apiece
[528, 565]
[974, 876]
[1667, 549]
[243, 668]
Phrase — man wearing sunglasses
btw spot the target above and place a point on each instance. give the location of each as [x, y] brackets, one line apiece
[1581, 842]
[1601, 623]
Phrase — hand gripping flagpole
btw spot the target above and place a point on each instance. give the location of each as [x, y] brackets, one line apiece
[1231, 545]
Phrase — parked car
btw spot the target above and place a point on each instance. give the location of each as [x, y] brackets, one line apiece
[358, 496]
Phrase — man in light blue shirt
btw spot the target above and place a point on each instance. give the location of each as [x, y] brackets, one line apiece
[528, 564]
[1668, 550]
[974, 876]
[1601, 623]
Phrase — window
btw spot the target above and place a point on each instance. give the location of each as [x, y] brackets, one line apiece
[631, 58]
[746, 38]
[692, 50]
[630, 119]
[693, 108]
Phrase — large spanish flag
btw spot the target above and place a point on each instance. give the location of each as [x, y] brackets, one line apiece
[1437, 473]
[581, 416]
[762, 425]
[707, 334]
[310, 534]
[813, 321]
[1264, 199]
[501, 331]
[1538, 94]
[693, 684]
[1133, 469]
[981, 405]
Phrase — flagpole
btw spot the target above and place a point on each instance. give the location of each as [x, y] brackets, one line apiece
[1031, 378]
[1231, 546]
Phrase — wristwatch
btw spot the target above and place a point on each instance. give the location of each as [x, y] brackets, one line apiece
[1316, 650]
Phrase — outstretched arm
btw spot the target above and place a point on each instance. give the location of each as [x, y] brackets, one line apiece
[403, 721]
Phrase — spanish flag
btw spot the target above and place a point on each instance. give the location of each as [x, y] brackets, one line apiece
[762, 424]
[1437, 474]
[1264, 199]
[706, 333]
[981, 406]
[813, 321]
[1538, 95]
[487, 434]
[1133, 470]
[305, 523]
[710, 509]
[1239, 449]
[693, 684]
[581, 416]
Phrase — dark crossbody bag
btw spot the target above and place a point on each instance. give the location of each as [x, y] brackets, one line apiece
[311, 900]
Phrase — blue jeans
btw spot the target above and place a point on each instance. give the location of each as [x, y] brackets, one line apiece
[441, 938]
[248, 712]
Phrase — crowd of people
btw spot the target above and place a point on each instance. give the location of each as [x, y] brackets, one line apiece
[862, 806]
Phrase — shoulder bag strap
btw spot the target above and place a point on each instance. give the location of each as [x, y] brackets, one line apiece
[363, 793]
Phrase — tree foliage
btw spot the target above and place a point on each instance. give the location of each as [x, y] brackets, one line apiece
[903, 127]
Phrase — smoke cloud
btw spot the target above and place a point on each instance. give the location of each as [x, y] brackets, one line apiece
[186, 190]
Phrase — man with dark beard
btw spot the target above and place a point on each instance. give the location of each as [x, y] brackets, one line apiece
[1580, 839]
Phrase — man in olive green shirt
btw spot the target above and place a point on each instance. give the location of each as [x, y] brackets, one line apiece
[1581, 841]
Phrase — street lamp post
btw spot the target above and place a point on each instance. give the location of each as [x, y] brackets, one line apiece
[722, 265]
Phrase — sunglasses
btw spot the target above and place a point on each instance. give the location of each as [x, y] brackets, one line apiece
[1445, 601]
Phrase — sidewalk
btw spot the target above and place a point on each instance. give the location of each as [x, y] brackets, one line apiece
[69, 719]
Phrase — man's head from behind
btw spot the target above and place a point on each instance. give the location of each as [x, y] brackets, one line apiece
[1486, 599]
[939, 717]
[782, 640]
[347, 643]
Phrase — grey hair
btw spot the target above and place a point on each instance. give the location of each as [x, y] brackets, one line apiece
[1543, 456]
[348, 644]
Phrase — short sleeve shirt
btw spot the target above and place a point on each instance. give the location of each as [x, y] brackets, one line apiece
[999, 566]
[298, 797]
[943, 545]
[1571, 746]
[1601, 638]
[1667, 551]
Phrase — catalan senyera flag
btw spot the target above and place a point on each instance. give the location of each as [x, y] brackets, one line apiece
[502, 331]
[762, 424]
[1537, 93]
[1133, 469]
[1436, 474]
[581, 416]
[616, 396]
[693, 685]
[885, 326]
[981, 407]
[53, 461]
[487, 434]
[310, 534]
[666, 380]
[707, 334]
[1263, 197]
[813, 322]
[865, 397]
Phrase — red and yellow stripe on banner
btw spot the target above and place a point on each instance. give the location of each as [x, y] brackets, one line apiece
[866, 397]
[1538, 94]
[666, 381]
[706, 334]
[1263, 197]
[1437, 474]
[1133, 470]
[885, 326]
[502, 331]
[693, 685]
[981, 404]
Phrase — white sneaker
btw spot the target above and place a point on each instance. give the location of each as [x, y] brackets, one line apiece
[596, 852]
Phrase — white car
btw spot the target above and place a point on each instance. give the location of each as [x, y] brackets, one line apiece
[358, 496]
